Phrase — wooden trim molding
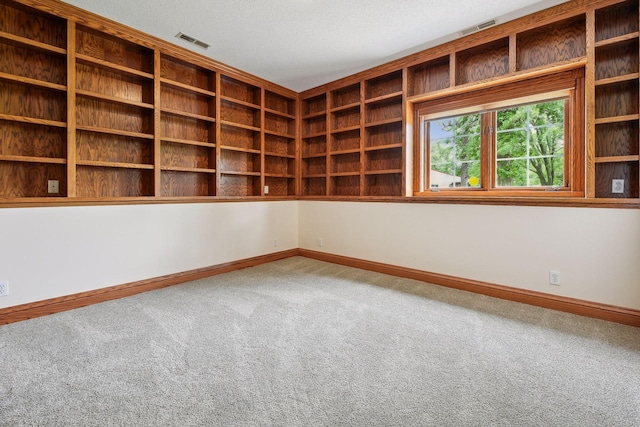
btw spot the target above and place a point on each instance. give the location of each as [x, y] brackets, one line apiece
[69, 302]
[610, 313]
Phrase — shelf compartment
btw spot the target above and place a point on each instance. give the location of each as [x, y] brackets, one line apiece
[345, 163]
[98, 147]
[314, 186]
[108, 182]
[240, 114]
[109, 51]
[316, 146]
[345, 119]
[280, 125]
[314, 106]
[180, 74]
[279, 166]
[345, 185]
[346, 96]
[278, 145]
[187, 158]
[280, 186]
[238, 137]
[32, 102]
[616, 100]
[429, 76]
[112, 85]
[179, 182]
[33, 67]
[382, 86]
[279, 104]
[617, 139]
[553, 43]
[606, 172]
[237, 90]
[187, 130]
[345, 140]
[31, 82]
[387, 134]
[314, 166]
[615, 61]
[104, 116]
[383, 185]
[108, 98]
[482, 62]
[88, 60]
[29, 179]
[191, 104]
[384, 111]
[28, 140]
[615, 21]
[239, 185]
[314, 125]
[381, 160]
[239, 162]
[33, 26]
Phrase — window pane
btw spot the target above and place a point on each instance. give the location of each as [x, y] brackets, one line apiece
[454, 145]
[530, 145]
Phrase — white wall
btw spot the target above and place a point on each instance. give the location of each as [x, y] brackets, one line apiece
[50, 252]
[597, 251]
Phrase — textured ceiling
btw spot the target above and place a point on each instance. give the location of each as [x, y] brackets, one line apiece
[301, 44]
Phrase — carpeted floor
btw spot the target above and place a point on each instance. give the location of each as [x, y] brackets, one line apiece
[300, 342]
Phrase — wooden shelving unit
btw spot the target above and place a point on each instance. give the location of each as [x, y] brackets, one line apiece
[279, 144]
[616, 99]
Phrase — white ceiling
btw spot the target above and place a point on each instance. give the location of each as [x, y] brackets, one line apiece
[301, 44]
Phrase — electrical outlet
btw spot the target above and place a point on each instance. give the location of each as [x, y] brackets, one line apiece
[275, 243]
[4, 288]
[617, 186]
[320, 242]
[266, 189]
[53, 186]
[554, 278]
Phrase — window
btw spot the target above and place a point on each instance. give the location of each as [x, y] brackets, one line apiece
[518, 139]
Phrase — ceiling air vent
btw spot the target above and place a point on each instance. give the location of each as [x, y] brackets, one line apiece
[193, 40]
[478, 27]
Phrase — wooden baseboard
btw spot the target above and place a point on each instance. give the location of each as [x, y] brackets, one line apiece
[569, 305]
[56, 305]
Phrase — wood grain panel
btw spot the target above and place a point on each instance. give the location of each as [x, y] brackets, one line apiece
[22, 139]
[617, 100]
[315, 125]
[345, 140]
[108, 82]
[99, 182]
[33, 64]
[383, 185]
[279, 145]
[279, 165]
[187, 184]
[187, 128]
[239, 90]
[616, 20]
[384, 110]
[112, 148]
[617, 60]
[341, 163]
[483, 62]
[280, 187]
[188, 156]
[19, 179]
[32, 24]
[280, 124]
[184, 100]
[276, 102]
[383, 85]
[314, 187]
[190, 74]
[314, 105]
[239, 114]
[383, 135]
[605, 172]
[20, 100]
[239, 186]
[241, 138]
[237, 161]
[429, 77]
[314, 146]
[549, 44]
[314, 166]
[114, 50]
[345, 118]
[378, 160]
[617, 139]
[345, 96]
[92, 112]
[345, 185]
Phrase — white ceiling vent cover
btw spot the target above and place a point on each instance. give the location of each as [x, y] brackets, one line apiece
[478, 27]
[193, 40]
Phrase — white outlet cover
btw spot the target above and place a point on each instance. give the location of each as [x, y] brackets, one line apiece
[4, 288]
[617, 186]
[266, 189]
[554, 278]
